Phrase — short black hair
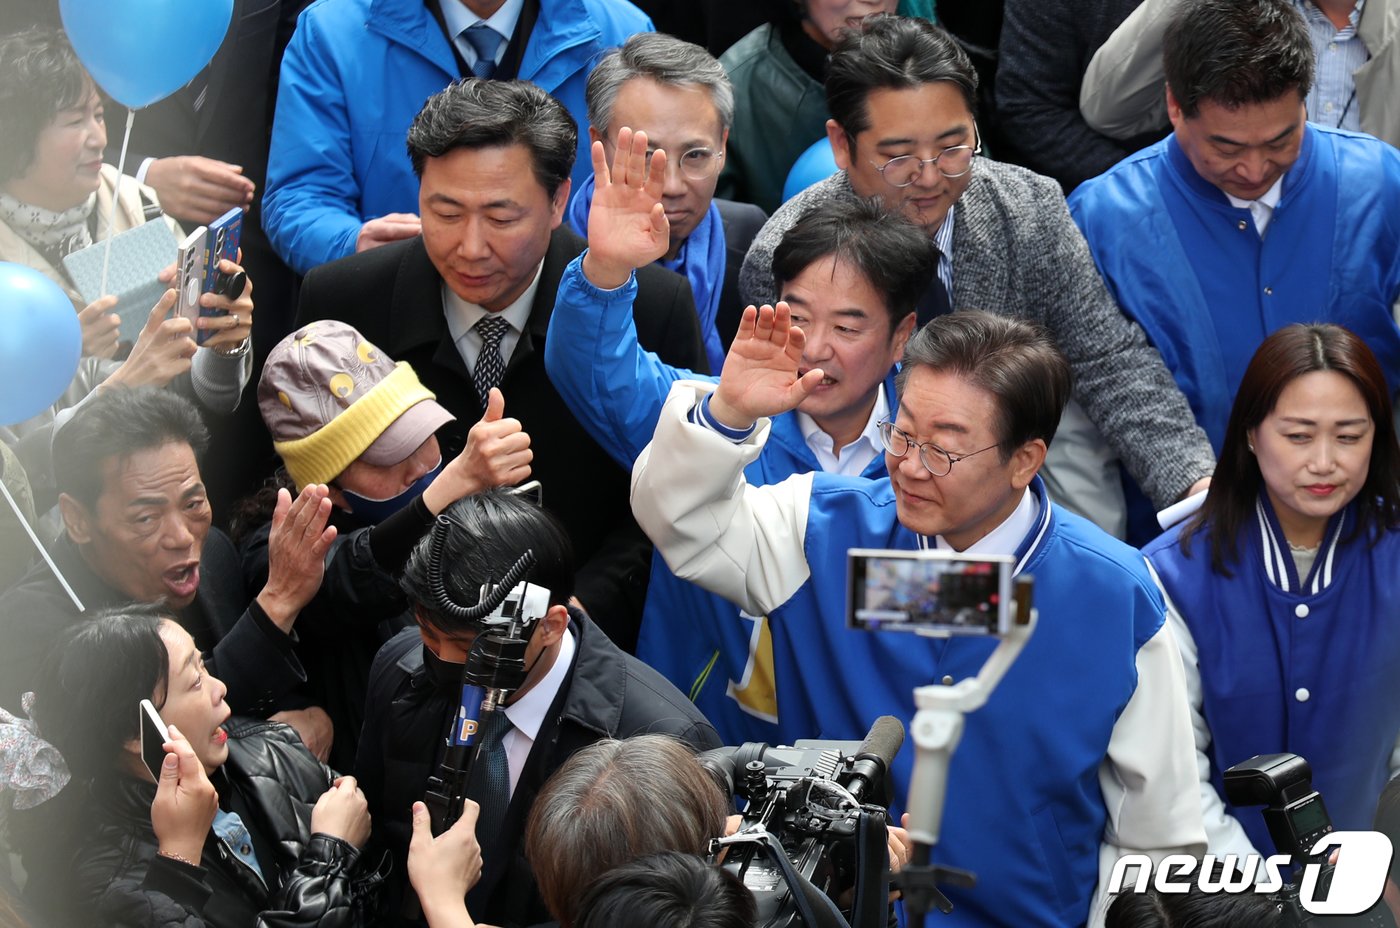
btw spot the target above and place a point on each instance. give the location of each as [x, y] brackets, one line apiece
[86, 700]
[118, 423]
[1193, 908]
[472, 113]
[667, 890]
[896, 258]
[487, 533]
[40, 77]
[892, 52]
[1236, 52]
[1017, 362]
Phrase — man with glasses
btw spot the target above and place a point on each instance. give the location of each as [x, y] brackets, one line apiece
[1084, 750]
[678, 94]
[902, 97]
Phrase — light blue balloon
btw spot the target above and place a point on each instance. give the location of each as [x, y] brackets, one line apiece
[141, 51]
[40, 342]
[815, 164]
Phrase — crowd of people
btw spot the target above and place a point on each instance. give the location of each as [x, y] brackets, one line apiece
[535, 302]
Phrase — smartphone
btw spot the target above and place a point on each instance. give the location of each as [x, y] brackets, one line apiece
[153, 737]
[189, 275]
[221, 242]
[937, 593]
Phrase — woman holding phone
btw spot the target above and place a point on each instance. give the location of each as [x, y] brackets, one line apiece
[57, 196]
[242, 827]
[1284, 590]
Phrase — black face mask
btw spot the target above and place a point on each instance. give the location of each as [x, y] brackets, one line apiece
[444, 674]
[447, 676]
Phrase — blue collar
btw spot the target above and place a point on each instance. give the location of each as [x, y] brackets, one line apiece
[1033, 542]
[1278, 560]
[1185, 172]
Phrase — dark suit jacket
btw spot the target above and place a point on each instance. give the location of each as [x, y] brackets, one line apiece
[741, 223]
[393, 295]
[607, 694]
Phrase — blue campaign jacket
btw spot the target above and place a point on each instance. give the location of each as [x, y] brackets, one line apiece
[696, 639]
[1193, 272]
[1047, 727]
[1306, 665]
[355, 75]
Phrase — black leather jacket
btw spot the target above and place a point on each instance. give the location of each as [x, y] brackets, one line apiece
[117, 878]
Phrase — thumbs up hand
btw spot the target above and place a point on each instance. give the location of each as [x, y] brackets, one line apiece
[497, 454]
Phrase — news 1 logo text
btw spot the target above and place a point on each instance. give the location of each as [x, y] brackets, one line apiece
[1358, 876]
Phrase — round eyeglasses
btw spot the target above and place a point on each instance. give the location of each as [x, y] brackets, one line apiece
[951, 162]
[935, 460]
[695, 164]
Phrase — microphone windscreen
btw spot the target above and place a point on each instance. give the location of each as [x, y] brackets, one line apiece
[884, 740]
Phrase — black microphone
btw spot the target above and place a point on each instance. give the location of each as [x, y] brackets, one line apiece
[874, 756]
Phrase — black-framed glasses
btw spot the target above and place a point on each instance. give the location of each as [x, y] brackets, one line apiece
[952, 162]
[936, 460]
[695, 164]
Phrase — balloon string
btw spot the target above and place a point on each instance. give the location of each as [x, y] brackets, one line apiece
[116, 201]
[38, 546]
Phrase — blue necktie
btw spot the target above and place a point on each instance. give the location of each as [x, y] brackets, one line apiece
[489, 785]
[484, 41]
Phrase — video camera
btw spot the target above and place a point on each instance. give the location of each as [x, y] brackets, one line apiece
[814, 826]
[1297, 819]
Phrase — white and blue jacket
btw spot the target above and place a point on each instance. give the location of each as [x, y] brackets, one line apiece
[1279, 663]
[1082, 753]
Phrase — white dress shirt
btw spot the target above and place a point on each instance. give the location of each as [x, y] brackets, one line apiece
[1261, 209]
[852, 460]
[527, 713]
[459, 19]
[462, 318]
[1006, 537]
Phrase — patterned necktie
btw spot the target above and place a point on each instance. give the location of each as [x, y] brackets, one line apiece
[489, 786]
[484, 41]
[489, 365]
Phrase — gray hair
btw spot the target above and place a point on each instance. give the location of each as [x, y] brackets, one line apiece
[666, 60]
[615, 801]
[474, 113]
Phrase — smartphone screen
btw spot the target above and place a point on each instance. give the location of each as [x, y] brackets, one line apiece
[933, 592]
[153, 738]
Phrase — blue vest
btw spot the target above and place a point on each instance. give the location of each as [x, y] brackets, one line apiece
[1024, 809]
[1308, 666]
[1192, 271]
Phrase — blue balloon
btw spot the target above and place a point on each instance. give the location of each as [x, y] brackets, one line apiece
[141, 51]
[40, 342]
[813, 165]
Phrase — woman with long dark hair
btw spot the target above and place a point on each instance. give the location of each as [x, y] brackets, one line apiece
[243, 827]
[1284, 590]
